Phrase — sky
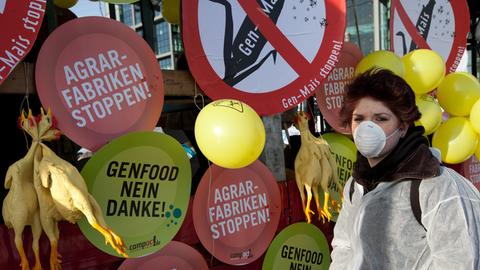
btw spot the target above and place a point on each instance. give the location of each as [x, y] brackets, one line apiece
[87, 8]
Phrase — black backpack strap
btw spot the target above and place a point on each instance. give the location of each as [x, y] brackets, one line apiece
[352, 189]
[415, 201]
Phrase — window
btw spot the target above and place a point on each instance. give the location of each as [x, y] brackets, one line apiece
[126, 14]
[138, 14]
[360, 24]
[159, 7]
[177, 39]
[384, 27]
[166, 63]
[162, 38]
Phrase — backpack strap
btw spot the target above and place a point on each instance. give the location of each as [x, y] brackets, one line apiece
[415, 201]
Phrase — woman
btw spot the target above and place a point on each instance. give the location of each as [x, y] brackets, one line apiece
[395, 170]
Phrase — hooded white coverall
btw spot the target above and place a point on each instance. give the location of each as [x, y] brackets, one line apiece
[379, 231]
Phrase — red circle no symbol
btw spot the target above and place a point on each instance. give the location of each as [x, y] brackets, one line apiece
[269, 54]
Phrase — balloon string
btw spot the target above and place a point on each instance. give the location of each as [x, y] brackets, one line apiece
[310, 109]
[210, 168]
[197, 94]
[210, 178]
[356, 24]
[25, 100]
[314, 118]
[100, 7]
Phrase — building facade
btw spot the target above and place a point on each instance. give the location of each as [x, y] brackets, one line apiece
[367, 26]
[167, 37]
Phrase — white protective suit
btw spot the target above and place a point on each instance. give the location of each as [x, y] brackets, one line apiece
[378, 230]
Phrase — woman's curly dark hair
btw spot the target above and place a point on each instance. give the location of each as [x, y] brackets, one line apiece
[382, 85]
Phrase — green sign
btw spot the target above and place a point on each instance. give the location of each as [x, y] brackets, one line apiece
[298, 246]
[344, 152]
[142, 183]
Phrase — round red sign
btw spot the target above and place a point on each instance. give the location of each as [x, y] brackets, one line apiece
[269, 54]
[330, 93]
[471, 170]
[236, 212]
[100, 79]
[441, 26]
[175, 255]
[21, 21]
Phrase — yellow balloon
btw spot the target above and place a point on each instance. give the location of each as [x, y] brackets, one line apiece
[381, 59]
[171, 11]
[65, 3]
[431, 113]
[424, 70]
[458, 92]
[456, 139]
[475, 116]
[230, 133]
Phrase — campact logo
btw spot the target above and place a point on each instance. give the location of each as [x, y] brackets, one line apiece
[144, 244]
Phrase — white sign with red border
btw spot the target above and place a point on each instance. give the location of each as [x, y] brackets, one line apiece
[20, 22]
[270, 54]
[439, 25]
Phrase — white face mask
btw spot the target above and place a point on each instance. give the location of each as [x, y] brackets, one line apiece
[370, 139]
